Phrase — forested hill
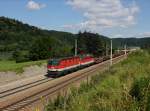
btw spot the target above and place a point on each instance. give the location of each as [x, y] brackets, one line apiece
[24, 42]
[12, 31]
[28, 42]
[131, 42]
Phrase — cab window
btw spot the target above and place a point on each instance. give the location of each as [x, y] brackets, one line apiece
[53, 62]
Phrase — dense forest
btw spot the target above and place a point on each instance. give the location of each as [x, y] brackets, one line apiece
[22, 42]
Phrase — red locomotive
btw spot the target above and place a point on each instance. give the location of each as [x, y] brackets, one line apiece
[58, 67]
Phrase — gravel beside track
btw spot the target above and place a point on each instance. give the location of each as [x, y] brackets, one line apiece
[31, 71]
[10, 91]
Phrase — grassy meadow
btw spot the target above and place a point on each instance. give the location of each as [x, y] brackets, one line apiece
[6, 65]
[124, 87]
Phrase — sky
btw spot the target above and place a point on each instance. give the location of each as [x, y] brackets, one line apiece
[112, 18]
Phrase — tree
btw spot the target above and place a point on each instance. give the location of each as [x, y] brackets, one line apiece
[41, 48]
[91, 43]
[21, 56]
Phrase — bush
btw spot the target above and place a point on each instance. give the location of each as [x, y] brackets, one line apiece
[140, 91]
[41, 49]
[21, 56]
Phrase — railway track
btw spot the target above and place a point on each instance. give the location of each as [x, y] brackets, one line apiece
[23, 87]
[48, 91]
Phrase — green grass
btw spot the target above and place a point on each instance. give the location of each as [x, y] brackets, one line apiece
[17, 67]
[117, 89]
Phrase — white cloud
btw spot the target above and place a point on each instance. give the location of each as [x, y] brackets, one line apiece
[118, 36]
[104, 13]
[32, 5]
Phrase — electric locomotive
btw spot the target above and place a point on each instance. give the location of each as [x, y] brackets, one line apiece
[59, 67]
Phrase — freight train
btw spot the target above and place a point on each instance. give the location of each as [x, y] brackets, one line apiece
[63, 66]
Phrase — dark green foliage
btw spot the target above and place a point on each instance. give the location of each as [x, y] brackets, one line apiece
[91, 43]
[148, 50]
[41, 49]
[17, 37]
[141, 92]
[21, 56]
[139, 87]
[58, 103]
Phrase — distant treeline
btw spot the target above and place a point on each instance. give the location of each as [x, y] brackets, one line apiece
[130, 42]
[27, 42]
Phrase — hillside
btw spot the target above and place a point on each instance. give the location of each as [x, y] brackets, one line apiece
[23, 41]
[14, 32]
[139, 42]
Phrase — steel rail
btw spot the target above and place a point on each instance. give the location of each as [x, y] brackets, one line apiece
[23, 87]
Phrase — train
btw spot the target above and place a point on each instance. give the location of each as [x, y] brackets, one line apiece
[63, 66]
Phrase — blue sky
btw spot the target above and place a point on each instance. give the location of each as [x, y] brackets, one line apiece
[113, 18]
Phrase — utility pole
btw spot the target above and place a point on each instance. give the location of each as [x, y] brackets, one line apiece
[106, 50]
[118, 50]
[76, 43]
[125, 50]
[111, 53]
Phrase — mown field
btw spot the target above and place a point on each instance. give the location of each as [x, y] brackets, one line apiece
[17, 67]
[124, 87]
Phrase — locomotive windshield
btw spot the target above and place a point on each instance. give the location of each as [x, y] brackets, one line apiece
[53, 62]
